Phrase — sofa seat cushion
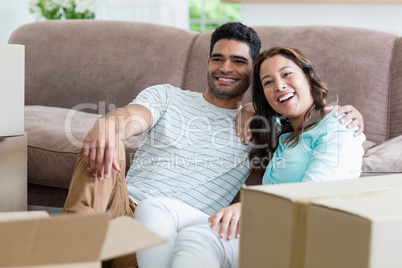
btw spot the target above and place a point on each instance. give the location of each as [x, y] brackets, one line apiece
[384, 158]
[55, 136]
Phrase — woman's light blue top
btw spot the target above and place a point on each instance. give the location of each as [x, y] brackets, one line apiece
[328, 151]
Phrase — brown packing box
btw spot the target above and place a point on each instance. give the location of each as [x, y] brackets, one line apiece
[273, 225]
[33, 239]
[12, 81]
[356, 232]
[13, 173]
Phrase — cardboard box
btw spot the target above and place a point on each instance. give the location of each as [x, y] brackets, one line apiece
[12, 81]
[13, 173]
[33, 239]
[363, 231]
[274, 217]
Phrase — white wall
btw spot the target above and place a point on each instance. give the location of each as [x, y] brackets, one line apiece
[385, 17]
[13, 13]
[167, 12]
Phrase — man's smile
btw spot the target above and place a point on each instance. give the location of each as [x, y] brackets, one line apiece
[226, 80]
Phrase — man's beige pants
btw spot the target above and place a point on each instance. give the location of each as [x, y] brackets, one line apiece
[88, 194]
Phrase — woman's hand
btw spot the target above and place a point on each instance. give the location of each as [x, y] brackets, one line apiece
[229, 217]
[243, 120]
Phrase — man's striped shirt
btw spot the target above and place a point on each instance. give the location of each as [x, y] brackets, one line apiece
[191, 152]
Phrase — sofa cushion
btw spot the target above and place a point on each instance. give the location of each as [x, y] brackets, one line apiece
[87, 61]
[55, 136]
[383, 158]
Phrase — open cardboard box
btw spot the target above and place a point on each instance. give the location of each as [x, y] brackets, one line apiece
[284, 225]
[33, 239]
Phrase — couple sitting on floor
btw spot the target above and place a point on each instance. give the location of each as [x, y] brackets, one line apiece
[190, 163]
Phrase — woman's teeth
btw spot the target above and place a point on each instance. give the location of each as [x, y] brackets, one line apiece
[286, 97]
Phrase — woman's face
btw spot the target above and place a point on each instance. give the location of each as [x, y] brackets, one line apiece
[286, 88]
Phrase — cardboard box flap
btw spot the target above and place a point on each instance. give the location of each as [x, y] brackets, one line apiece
[125, 236]
[380, 207]
[53, 240]
[22, 215]
[310, 191]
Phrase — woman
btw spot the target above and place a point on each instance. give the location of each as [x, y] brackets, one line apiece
[298, 140]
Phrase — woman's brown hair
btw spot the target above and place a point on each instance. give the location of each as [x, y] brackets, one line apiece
[265, 125]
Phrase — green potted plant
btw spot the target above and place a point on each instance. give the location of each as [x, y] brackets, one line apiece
[63, 9]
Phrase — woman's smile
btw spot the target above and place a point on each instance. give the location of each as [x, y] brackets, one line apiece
[286, 88]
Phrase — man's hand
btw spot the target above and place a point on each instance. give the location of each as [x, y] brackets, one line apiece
[351, 114]
[102, 141]
[246, 114]
[100, 149]
[243, 120]
[229, 218]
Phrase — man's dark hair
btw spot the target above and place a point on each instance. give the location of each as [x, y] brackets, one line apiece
[239, 32]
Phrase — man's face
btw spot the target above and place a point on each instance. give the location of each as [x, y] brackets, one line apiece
[229, 68]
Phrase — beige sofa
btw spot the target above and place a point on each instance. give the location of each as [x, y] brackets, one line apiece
[76, 70]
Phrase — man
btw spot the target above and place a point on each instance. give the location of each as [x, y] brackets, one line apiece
[189, 149]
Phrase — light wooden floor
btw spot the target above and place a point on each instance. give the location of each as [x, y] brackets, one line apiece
[50, 210]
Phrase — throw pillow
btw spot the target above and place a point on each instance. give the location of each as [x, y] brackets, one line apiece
[386, 157]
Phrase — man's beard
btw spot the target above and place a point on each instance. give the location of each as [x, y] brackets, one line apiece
[228, 93]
